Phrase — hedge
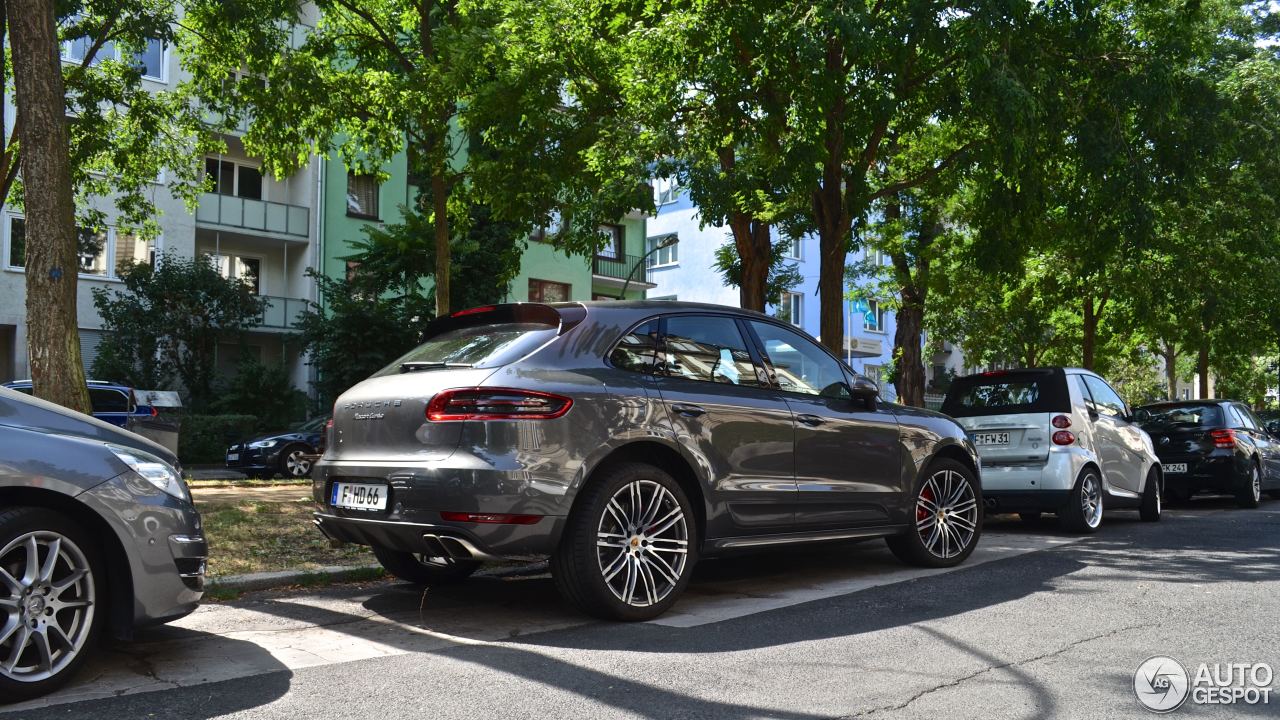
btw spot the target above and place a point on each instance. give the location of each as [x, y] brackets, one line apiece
[204, 438]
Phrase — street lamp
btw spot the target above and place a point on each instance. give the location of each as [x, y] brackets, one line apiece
[666, 242]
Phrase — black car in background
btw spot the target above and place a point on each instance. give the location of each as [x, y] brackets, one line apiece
[288, 454]
[1215, 446]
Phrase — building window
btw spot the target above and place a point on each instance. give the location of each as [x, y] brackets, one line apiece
[247, 270]
[133, 250]
[548, 291]
[613, 247]
[91, 251]
[665, 191]
[794, 249]
[150, 62]
[362, 195]
[791, 309]
[233, 179]
[873, 320]
[669, 255]
[17, 242]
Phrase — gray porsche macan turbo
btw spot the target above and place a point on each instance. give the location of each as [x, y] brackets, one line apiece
[625, 440]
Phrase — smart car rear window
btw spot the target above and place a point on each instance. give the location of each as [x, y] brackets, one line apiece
[1008, 392]
[488, 336]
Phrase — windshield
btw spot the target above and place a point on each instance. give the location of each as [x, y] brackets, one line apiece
[1200, 415]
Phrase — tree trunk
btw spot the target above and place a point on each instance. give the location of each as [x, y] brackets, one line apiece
[906, 340]
[1202, 367]
[832, 249]
[53, 338]
[755, 251]
[440, 222]
[1171, 369]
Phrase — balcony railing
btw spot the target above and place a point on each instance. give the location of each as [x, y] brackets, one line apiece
[281, 312]
[620, 267]
[260, 215]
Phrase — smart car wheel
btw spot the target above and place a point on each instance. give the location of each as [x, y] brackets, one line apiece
[948, 518]
[421, 569]
[294, 462]
[1249, 494]
[1083, 511]
[1151, 506]
[630, 545]
[49, 585]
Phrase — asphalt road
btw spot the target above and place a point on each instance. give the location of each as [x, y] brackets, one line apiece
[1038, 625]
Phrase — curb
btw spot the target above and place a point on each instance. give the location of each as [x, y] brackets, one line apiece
[285, 578]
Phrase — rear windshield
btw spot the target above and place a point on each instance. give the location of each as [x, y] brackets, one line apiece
[1168, 416]
[1001, 393]
[483, 337]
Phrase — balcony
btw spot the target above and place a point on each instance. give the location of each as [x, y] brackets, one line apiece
[261, 216]
[281, 313]
[613, 271]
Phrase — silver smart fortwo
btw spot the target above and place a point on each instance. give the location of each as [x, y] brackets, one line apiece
[627, 439]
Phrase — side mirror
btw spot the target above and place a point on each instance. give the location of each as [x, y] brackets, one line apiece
[865, 391]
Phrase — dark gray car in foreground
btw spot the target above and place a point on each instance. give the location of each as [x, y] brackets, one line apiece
[627, 439]
[97, 533]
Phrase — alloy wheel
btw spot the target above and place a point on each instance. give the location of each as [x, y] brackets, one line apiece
[642, 543]
[46, 605]
[1256, 481]
[1091, 500]
[296, 464]
[946, 514]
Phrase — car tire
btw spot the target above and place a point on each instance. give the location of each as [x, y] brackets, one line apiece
[630, 544]
[1249, 493]
[1151, 510]
[420, 570]
[1085, 504]
[293, 462]
[1030, 518]
[941, 526]
[63, 595]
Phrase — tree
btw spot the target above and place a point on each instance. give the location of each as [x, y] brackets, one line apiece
[379, 76]
[57, 373]
[781, 274]
[167, 322]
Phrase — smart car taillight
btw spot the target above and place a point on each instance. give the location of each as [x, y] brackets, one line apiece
[1223, 438]
[1061, 422]
[496, 404]
[1063, 437]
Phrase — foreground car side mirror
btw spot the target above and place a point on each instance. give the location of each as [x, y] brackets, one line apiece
[864, 391]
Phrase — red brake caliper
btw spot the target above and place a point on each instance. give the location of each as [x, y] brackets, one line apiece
[921, 512]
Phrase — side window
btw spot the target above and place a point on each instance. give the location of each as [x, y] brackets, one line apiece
[799, 364]
[1085, 395]
[1238, 417]
[1106, 400]
[637, 351]
[707, 348]
[105, 401]
[1250, 419]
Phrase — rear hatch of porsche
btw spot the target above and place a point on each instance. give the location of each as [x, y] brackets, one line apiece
[1008, 414]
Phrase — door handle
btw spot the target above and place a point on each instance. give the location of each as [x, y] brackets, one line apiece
[811, 420]
[687, 410]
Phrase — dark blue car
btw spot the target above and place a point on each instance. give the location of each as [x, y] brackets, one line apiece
[287, 453]
[112, 402]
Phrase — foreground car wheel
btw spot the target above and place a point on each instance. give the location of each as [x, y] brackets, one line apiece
[630, 545]
[1083, 512]
[294, 462]
[420, 569]
[1151, 507]
[948, 518]
[1250, 493]
[48, 589]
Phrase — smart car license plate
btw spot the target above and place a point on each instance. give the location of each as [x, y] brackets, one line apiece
[357, 496]
[1175, 467]
[232, 457]
[991, 438]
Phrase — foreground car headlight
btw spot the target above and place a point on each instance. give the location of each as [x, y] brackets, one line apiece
[261, 444]
[153, 470]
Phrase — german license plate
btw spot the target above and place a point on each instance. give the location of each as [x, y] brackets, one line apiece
[358, 496]
[991, 438]
[232, 457]
[1175, 467]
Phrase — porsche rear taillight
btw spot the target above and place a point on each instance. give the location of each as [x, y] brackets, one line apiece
[496, 404]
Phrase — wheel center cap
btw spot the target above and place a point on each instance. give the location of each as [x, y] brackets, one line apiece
[35, 605]
[635, 541]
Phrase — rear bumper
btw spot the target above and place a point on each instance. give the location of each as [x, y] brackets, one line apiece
[1222, 473]
[1057, 474]
[475, 541]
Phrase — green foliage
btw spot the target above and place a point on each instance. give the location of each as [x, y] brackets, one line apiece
[353, 332]
[204, 439]
[162, 328]
[783, 274]
[267, 391]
